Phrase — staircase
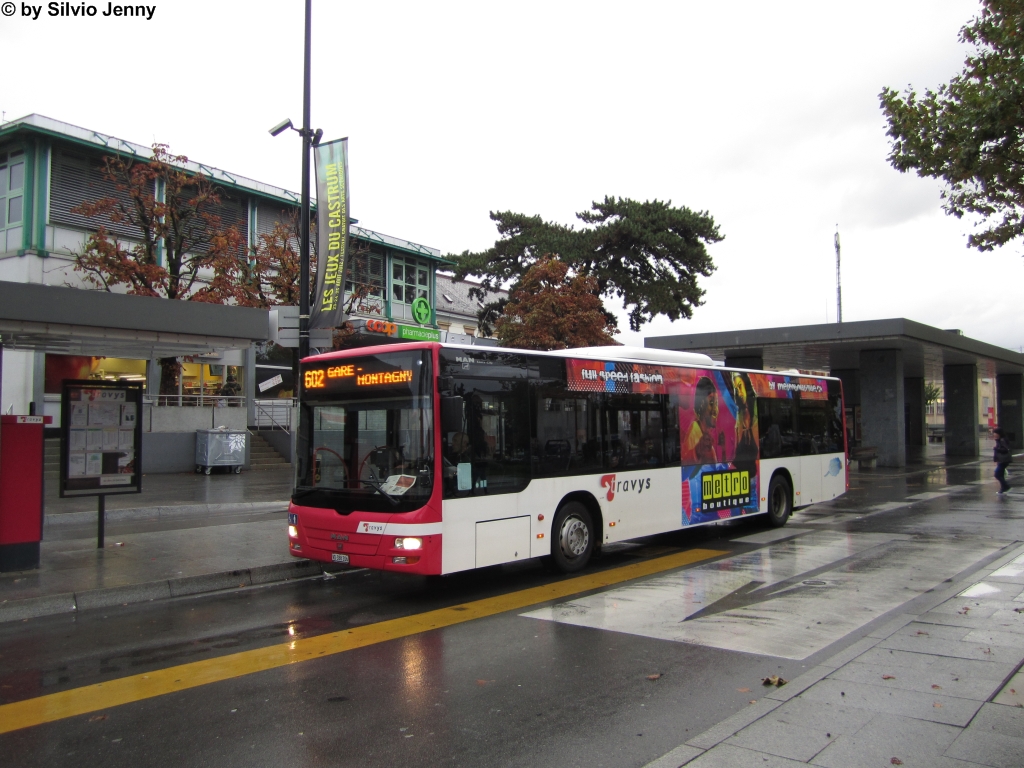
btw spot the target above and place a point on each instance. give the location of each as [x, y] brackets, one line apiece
[262, 455]
[51, 458]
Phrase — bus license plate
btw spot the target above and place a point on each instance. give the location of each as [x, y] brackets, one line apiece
[339, 558]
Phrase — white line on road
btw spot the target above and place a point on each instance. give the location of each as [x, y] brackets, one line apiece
[870, 574]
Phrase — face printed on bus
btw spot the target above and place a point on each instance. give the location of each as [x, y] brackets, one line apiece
[739, 392]
[707, 411]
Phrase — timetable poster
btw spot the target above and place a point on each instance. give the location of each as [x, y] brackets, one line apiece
[101, 438]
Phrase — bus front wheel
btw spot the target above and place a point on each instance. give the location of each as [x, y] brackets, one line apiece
[779, 505]
[572, 541]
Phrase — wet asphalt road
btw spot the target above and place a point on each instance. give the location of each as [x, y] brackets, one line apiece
[506, 690]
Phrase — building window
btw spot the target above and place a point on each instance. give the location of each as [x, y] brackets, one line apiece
[410, 280]
[366, 281]
[12, 185]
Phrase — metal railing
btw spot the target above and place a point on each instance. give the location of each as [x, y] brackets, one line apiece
[219, 401]
[274, 413]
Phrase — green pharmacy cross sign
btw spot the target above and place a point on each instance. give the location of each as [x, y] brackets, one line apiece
[421, 311]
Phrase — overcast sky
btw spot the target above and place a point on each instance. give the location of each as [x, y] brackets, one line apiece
[763, 114]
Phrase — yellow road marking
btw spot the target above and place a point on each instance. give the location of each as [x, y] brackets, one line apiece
[125, 690]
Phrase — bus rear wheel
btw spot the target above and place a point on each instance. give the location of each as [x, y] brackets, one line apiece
[779, 506]
[572, 541]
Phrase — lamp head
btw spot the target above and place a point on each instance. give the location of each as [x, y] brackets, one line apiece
[319, 134]
[281, 127]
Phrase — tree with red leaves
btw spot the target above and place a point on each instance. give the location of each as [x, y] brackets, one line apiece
[182, 251]
[550, 310]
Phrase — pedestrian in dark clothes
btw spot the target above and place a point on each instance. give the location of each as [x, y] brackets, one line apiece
[1002, 457]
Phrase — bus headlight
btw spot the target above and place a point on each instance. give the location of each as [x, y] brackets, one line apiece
[293, 532]
[409, 542]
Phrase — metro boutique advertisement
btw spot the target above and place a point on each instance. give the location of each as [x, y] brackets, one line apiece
[78, 10]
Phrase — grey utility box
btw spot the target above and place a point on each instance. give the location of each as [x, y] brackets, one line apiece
[220, 448]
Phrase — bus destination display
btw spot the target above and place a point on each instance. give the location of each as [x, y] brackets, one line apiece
[362, 375]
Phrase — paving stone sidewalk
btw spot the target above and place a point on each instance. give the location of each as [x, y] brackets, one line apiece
[183, 535]
[942, 688]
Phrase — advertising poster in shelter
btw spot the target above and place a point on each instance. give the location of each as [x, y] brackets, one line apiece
[101, 438]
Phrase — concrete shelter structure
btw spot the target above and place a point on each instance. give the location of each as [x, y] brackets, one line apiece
[884, 365]
[50, 319]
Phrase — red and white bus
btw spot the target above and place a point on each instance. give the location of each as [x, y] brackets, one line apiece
[434, 458]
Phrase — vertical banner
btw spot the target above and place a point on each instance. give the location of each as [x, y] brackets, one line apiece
[332, 212]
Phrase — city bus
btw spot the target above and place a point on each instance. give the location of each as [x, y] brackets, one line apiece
[432, 458]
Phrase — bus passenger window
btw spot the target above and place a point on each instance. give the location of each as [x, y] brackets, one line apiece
[634, 429]
[565, 428]
[814, 437]
[777, 428]
[488, 456]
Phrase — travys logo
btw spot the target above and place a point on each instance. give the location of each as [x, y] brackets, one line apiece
[635, 485]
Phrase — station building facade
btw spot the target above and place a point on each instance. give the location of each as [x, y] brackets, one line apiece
[48, 168]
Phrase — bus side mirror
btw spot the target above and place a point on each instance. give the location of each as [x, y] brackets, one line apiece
[451, 414]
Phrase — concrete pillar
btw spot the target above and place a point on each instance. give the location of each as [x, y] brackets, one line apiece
[913, 392]
[38, 383]
[960, 386]
[1010, 407]
[153, 377]
[250, 383]
[881, 405]
[745, 358]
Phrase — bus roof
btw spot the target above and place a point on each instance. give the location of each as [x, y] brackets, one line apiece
[643, 355]
[626, 354]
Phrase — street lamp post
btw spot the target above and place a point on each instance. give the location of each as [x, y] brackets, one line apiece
[307, 140]
[310, 139]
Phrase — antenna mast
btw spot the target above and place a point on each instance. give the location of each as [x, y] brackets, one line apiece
[839, 283]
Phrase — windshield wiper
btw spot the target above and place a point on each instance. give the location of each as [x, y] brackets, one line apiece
[297, 494]
[375, 484]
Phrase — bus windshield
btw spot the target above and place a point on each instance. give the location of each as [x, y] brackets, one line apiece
[366, 433]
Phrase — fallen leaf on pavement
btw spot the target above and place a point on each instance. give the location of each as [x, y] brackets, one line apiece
[754, 701]
[937, 687]
[747, 690]
[921, 632]
[94, 718]
[937, 704]
[483, 682]
[896, 761]
[888, 677]
[654, 677]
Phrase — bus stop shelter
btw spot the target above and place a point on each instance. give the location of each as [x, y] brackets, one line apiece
[72, 321]
[883, 365]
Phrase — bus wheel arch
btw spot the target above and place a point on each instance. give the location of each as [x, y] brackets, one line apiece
[575, 532]
[780, 498]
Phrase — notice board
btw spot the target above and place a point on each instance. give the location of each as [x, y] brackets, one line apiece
[101, 438]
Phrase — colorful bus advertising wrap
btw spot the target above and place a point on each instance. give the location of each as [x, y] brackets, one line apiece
[718, 425]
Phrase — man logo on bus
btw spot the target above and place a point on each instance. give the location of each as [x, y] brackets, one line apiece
[722, 490]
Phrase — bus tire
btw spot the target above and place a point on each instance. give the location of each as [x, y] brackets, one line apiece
[779, 501]
[572, 537]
